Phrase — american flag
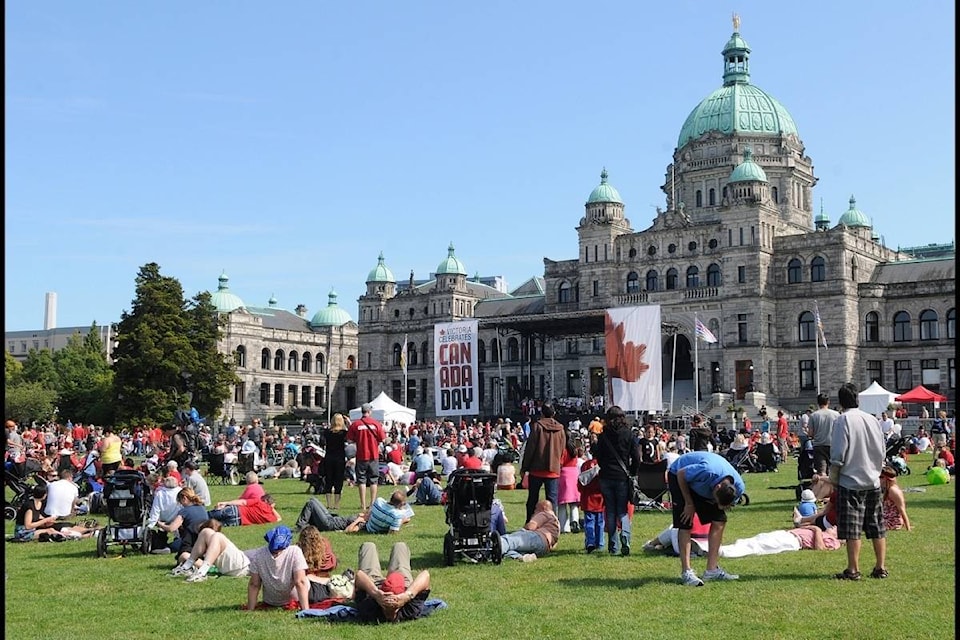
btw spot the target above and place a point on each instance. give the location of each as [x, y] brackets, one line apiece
[816, 319]
[703, 333]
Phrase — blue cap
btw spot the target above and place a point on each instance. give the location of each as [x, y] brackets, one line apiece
[278, 538]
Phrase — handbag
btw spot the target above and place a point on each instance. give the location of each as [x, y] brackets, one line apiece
[636, 496]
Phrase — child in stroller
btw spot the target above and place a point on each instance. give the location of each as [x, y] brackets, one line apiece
[469, 505]
[896, 456]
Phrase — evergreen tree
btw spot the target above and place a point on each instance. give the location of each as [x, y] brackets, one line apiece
[12, 370]
[211, 381]
[39, 368]
[85, 380]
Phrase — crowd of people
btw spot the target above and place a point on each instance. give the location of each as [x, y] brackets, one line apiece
[578, 479]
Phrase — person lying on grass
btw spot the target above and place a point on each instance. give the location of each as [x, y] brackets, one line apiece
[394, 598]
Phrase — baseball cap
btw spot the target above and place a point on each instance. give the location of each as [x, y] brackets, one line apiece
[278, 538]
[393, 583]
[366, 407]
[462, 448]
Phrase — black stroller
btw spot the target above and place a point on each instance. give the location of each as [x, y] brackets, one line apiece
[127, 496]
[20, 488]
[805, 468]
[469, 505]
[894, 459]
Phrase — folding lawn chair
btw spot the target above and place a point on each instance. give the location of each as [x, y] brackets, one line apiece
[652, 481]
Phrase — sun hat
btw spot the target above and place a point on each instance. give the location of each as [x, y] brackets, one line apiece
[739, 443]
[807, 496]
[278, 538]
[393, 583]
[462, 448]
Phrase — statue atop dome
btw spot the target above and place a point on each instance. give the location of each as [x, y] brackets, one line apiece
[736, 22]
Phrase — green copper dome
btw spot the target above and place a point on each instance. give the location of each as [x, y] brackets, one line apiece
[737, 106]
[380, 273]
[222, 299]
[451, 265]
[748, 170]
[853, 217]
[604, 192]
[272, 302]
[332, 316]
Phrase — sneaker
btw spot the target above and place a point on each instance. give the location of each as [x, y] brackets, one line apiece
[575, 527]
[719, 574]
[591, 548]
[650, 545]
[528, 557]
[180, 570]
[196, 576]
[161, 551]
[690, 579]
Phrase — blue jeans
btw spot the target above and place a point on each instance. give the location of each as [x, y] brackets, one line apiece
[616, 493]
[520, 542]
[229, 516]
[551, 489]
[316, 514]
[593, 528]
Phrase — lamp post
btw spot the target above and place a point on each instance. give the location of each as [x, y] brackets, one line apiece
[733, 403]
[715, 387]
[750, 384]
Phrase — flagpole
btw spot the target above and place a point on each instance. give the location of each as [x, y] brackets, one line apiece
[403, 357]
[816, 341]
[696, 362]
[673, 370]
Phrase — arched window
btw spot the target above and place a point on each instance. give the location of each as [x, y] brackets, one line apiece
[652, 280]
[495, 350]
[320, 365]
[818, 269]
[929, 325]
[633, 282]
[693, 277]
[307, 363]
[871, 326]
[564, 293]
[713, 275]
[952, 324]
[293, 361]
[671, 278]
[714, 327]
[424, 353]
[396, 354]
[513, 350]
[481, 351]
[775, 194]
[806, 329]
[853, 269]
[712, 197]
[794, 271]
[723, 193]
[265, 359]
[699, 198]
[240, 357]
[411, 354]
[901, 327]
[278, 360]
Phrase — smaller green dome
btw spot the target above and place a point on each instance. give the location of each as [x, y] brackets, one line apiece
[332, 316]
[223, 299]
[604, 192]
[451, 265]
[853, 217]
[272, 302]
[381, 273]
[748, 170]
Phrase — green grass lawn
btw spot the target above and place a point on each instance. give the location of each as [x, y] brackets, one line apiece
[65, 591]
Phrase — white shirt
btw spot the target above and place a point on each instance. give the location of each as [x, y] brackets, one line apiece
[887, 425]
[165, 506]
[61, 497]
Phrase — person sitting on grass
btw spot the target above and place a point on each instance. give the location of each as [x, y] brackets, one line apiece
[212, 549]
[537, 538]
[321, 561]
[32, 524]
[428, 489]
[279, 570]
[239, 512]
[394, 598]
[387, 517]
[894, 502]
[186, 523]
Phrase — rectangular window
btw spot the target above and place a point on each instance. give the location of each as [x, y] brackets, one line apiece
[265, 393]
[771, 334]
[598, 345]
[808, 375]
[741, 274]
[23, 347]
[875, 371]
[395, 390]
[573, 384]
[729, 237]
[318, 396]
[741, 328]
[278, 394]
[239, 391]
[305, 395]
[369, 360]
[423, 390]
[369, 390]
[572, 345]
[903, 375]
[596, 288]
[513, 388]
[741, 236]
[753, 235]
[930, 374]
[952, 373]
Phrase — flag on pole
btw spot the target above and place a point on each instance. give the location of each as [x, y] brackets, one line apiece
[703, 333]
[403, 356]
[816, 319]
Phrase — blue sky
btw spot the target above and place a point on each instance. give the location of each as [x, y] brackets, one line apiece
[289, 143]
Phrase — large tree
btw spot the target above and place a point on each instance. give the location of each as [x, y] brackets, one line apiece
[166, 353]
[85, 380]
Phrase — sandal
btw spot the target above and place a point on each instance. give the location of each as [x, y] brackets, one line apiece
[879, 573]
[846, 574]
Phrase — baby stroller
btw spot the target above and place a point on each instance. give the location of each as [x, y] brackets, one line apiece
[469, 505]
[20, 488]
[767, 457]
[893, 458]
[127, 496]
[805, 468]
[742, 460]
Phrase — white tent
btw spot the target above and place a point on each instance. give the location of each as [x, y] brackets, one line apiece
[875, 399]
[387, 411]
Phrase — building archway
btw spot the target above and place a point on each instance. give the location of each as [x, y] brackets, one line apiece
[684, 358]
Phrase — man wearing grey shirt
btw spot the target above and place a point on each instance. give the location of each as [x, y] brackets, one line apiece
[856, 459]
[819, 428]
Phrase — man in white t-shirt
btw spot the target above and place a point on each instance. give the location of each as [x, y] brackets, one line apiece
[63, 496]
[279, 570]
[886, 423]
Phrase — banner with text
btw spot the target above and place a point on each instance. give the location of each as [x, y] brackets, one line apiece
[634, 367]
[455, 369]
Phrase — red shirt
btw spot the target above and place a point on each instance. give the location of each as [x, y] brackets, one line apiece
[367, 433]
[946, 455]
[472, 462]
[258, 512]
[396, 455]
[783, 429]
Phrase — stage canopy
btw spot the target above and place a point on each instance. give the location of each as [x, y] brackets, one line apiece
[387, 411]
[875, 399]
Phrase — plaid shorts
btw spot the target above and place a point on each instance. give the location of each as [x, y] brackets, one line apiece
[859, 512]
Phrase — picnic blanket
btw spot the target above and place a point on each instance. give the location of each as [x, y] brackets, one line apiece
[346, 613]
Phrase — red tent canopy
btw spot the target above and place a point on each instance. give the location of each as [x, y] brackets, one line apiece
[920, 394]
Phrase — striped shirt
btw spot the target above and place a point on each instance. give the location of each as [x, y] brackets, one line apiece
[384, 517]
